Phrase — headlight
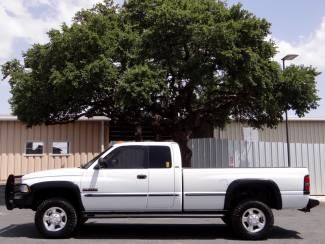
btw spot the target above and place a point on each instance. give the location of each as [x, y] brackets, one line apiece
[24, 188]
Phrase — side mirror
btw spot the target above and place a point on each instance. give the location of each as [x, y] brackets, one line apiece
[101, 164]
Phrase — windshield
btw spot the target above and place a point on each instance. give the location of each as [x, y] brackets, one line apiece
[87, 165]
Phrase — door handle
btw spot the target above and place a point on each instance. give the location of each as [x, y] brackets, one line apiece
[141, 177]
[89, 189]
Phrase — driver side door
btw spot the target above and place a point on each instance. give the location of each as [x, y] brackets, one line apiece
[122, 185]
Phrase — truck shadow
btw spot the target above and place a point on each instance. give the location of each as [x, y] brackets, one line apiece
[146, 231]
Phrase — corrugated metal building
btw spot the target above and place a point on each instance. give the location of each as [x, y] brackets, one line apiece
[24, 150]
[239, 145]
[302, 130]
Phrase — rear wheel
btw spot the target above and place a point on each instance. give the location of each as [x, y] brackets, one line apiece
[252, 220]
[56, 218]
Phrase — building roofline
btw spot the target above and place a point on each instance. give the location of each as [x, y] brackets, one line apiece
[103, 118]
[95, 118]
[306, 119]
[296, 119]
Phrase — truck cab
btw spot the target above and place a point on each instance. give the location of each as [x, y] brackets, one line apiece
[134, 177]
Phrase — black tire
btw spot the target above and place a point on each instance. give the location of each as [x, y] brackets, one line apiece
[71, 218]
[240, 222]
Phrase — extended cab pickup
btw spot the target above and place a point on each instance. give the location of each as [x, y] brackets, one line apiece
[146, 179]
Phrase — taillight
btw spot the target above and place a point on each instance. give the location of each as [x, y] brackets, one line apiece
[306, 185]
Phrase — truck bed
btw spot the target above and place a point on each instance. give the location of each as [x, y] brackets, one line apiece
[205, 189]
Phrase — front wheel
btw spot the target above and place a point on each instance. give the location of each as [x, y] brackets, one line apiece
[252, 220]
[56, 218]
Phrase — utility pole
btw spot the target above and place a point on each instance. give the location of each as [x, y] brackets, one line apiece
[288, 57]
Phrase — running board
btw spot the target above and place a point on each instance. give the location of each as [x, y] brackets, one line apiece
[153, 215]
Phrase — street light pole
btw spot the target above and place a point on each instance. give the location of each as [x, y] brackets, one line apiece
[288, 57]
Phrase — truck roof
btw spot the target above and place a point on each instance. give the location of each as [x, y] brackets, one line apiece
[145, 143]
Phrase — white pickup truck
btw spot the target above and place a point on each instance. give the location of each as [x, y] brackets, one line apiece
[146, 179]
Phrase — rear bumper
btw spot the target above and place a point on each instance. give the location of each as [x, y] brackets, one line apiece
[311, 204]
[13, 197]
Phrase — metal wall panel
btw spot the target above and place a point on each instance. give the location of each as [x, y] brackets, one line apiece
[83, 136]
[216, 153]
[299, 132]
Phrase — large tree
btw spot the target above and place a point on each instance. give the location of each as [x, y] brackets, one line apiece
[173, 64]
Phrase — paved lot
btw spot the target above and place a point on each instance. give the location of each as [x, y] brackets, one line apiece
[290, 227]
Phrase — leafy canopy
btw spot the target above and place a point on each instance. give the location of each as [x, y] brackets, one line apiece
[172, 63]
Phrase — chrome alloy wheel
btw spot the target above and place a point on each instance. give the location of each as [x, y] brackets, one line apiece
[253, 220]
[54, 219]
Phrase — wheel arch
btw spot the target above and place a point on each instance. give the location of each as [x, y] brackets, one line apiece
[259, 189]
[49, 189]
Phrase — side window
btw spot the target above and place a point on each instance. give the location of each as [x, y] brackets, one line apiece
[127, 157]
[34, 147]
[60, 147]
[159, 157]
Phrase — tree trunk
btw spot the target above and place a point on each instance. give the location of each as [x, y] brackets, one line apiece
[138, 133]
[182, 138]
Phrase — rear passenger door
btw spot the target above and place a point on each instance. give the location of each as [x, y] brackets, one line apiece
[161, 195]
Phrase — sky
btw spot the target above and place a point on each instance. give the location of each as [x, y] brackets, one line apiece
[298, 26]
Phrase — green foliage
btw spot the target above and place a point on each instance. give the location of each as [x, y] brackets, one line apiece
[173, 63]
[297, 91]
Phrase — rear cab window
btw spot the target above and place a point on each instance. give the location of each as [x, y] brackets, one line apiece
[159, 157]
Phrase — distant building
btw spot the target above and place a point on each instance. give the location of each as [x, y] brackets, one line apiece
[24, 150]
[301, 130]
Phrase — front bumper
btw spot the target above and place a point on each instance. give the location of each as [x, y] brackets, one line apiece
[311, 204]
[13, 197]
